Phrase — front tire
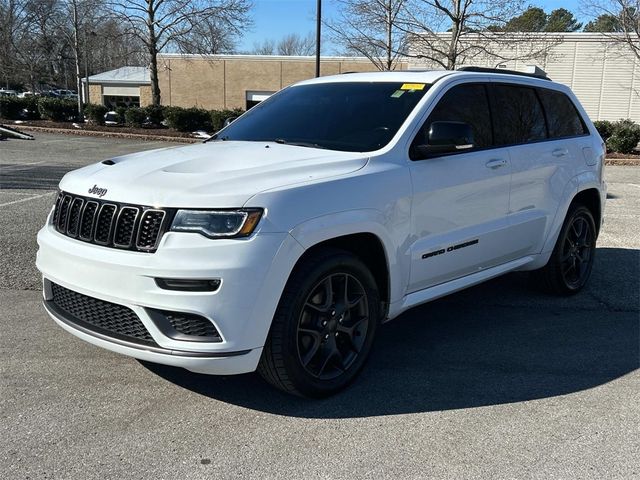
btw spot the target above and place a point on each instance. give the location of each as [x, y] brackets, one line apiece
[324, 325]
[571, 261]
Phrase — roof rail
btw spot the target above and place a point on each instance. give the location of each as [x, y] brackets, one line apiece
[537, 73]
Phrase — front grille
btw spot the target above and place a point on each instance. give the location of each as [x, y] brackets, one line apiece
[100, 316]
[110, 224]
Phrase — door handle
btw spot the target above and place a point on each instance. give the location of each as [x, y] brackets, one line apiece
[497, 163]
[560, 152]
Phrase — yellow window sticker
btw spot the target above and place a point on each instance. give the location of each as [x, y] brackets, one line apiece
[412, 86]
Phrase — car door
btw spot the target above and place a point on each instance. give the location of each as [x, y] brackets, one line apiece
[538, 125]
[460, 201]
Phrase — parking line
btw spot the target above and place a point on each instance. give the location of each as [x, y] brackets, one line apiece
[26, 199]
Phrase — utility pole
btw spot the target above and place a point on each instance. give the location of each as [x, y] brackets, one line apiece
[318, 31]
[86, 70]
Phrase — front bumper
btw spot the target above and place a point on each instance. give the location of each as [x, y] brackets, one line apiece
[252, 271]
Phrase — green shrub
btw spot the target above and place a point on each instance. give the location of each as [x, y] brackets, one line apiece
[604, 127]
[188, 119]
[96, 113]
[121, 112]
[134, 116]
[218, 117]
[10, 107]
[57, 109]
[625, 136]
[155, 114]
[31, 111]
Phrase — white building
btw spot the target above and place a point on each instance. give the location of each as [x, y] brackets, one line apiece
[604, 74]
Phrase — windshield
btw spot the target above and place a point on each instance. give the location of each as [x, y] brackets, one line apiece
[352, 116]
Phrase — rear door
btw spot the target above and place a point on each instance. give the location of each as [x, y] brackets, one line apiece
[538, 126]
[460, 201]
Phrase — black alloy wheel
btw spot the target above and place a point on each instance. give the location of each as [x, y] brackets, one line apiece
[576, 259]
[324, 326]
[571, 261]
[333, 326]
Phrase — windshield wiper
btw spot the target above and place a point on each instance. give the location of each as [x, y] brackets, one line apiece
[282, 141]
[216, 138]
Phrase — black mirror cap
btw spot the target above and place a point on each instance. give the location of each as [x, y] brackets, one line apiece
[445, 137]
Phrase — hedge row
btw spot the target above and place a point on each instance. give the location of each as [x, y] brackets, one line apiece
[622, 136]
[34, 108]
[190, 119]
[178, 118]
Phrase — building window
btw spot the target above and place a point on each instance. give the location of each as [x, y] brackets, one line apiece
[253, 97]
[114, 101]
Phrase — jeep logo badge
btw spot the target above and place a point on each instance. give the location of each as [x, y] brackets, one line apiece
[101, 192]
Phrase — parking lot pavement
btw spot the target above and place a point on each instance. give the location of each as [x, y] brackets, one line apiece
[498, 381]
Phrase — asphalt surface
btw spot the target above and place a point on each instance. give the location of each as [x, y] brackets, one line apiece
[498, 381]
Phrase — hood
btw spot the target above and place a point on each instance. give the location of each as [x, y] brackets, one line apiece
[208, 175]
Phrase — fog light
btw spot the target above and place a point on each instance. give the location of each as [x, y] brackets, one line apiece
[189, 285]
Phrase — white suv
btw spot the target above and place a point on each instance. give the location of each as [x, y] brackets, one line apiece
[285, 240]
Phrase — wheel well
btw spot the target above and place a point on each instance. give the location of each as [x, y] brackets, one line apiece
[590, 198]
[369, 249]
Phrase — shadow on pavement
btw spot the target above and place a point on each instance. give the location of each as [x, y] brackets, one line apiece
[28, 177]
[496, 343]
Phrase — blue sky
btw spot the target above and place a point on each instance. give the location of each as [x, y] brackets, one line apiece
[276, 18]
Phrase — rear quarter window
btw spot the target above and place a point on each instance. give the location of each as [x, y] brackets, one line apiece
[563, 118]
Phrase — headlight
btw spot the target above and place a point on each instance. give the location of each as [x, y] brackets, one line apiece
[217, 224]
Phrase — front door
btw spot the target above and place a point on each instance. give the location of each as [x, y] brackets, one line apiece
[460, 201]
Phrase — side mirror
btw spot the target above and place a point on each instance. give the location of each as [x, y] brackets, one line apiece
[445, 137]
[228, 121]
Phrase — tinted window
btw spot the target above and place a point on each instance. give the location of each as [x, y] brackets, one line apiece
[348, 116]
[517, 115]
[562, 117]
[464, 103]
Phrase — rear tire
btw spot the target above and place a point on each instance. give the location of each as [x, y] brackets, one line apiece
[324, 325]
[571, 261]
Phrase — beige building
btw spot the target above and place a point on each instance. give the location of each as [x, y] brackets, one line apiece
[604, 76]
[125, 86]
[240, 81]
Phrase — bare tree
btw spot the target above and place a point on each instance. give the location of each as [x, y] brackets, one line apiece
[38, 47]
[446, 33]
[30, 48]
[159, 24]
[72, 19]
[623, 15]
[266, 47]
[371, 28]
[210, 36]
[296, 44]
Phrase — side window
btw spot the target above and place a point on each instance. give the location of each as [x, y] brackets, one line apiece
[463, 103]
[517, 115]
[562, 116]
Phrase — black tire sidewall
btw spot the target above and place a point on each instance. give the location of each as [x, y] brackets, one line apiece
[302, 282]
[575, 212]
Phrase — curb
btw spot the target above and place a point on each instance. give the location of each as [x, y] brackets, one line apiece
[96, 133]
